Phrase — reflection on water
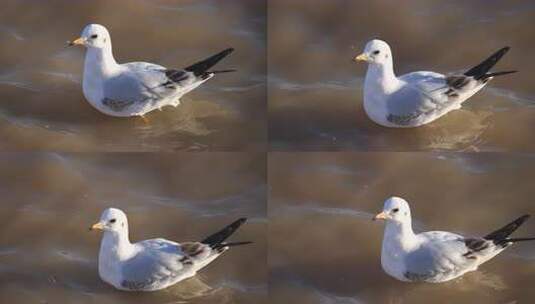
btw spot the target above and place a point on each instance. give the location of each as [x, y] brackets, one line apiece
[318, 106]
[42, 106]
[47, 254]
[327, 200]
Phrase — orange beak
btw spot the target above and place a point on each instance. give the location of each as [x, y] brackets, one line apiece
[361, 57]
[380, 216]
[78, 41]
[97, 226]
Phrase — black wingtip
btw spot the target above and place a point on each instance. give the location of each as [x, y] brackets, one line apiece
[232, 244]
[201, 68]
[219, 237]
[223, 71]
[480, 70]
[500, 236]
[522, 219]
[515, 240]
[500, 53]
[222, 246]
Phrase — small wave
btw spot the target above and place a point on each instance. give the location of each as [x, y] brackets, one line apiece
[8, 251]
[323, 296]
[239, 203]
[258, 289]
[327, 298]
[286, 210]
[512, 96]
[334, 169]
[72, 256]
[13, 33]
[243, 88]
[20, 85]
[465, 163]
[330, 85]
[181, 8]
[68, 76]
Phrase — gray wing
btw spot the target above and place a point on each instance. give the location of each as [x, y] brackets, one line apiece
[427, 93]
[443, 254]
[159, 261]
[142, 82]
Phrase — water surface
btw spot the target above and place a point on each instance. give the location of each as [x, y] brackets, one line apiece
[325, 203]
[47, 254]
[41, 102]
[315, 90]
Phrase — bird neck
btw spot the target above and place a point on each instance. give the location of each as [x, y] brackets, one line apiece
[400, 233]
[116, 244]
[100, 60]
[382, 76]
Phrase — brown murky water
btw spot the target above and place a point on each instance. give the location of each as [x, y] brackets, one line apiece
[327, 201]
[323, 247]
[315, 91]
[47, 254]
[41, 101]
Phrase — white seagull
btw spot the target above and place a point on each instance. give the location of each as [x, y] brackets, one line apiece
[156, 263]
[435, 256]
[417, 98]
[135, 88]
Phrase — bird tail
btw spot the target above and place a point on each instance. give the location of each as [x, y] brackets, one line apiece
[514, 240]
[500, 236]
[222, 71]
[200, 69]
[488, 75]
[231, 244]
[217, 240]
[480, 71]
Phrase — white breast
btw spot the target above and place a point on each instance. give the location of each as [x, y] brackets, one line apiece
[392, 257]
[110, 261]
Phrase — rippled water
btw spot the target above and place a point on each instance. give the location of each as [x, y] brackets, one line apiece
[323, 246]
[47, 254]
[315, 90]
[327, 201]
[41, 101]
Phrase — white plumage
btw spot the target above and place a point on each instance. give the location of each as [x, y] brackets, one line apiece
[435, 256]
[416, 98]
[136, 88]
[153, 264]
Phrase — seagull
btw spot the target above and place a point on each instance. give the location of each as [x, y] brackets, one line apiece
[135, 88]
[153, 264]
[417, 98]
[435, 256]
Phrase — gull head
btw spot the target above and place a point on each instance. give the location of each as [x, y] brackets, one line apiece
[396, 210]
[112, 220]
[93, 36]
[375, 52]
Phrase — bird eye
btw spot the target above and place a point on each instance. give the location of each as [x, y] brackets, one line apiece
[94, 36]
[376, 52]
[395, 210]
[113, 221]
